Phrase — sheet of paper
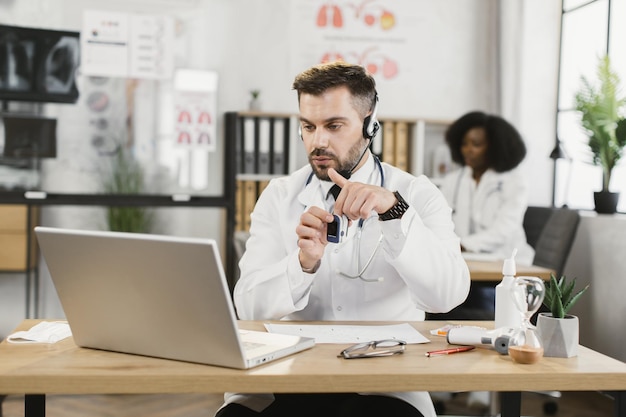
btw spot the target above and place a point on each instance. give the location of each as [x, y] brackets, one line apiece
[329, 333]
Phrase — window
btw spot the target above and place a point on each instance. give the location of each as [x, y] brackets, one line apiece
[590, 29]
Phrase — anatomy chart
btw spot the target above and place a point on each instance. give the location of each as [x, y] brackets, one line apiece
[373, 33]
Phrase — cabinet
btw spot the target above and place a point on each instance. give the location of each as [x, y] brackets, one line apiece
[18, 251]
[16, 225]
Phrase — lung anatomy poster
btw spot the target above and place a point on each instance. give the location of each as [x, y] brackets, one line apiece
[195, 100]
[376, 34]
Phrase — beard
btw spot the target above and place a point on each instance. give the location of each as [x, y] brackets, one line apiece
[342, 166]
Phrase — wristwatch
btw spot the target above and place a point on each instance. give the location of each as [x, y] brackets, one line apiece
[397, 211]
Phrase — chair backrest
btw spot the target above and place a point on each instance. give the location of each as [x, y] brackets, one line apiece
[554, 242]
[535, 220]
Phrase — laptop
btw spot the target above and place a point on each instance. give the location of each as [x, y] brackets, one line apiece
[153, 295]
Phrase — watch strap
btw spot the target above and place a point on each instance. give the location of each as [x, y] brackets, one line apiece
[397, 211]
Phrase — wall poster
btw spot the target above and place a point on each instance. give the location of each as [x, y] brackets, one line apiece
[373, 33]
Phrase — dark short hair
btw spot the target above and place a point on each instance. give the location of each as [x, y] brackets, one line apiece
[317, 79]
[505, 146]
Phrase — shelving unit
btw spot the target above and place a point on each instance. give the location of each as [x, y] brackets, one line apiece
[263, 149]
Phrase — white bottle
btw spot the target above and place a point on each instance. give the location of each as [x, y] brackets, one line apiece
[507, 315]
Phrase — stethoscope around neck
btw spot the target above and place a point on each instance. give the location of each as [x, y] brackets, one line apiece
[360, 270]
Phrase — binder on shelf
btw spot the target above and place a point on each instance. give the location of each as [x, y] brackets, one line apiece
[402, 146]
[249, 136]
[249, 200]
[239, 217]
[264, 146]
[278, 147]
[262, 185]
[237, 125]
[389, 142]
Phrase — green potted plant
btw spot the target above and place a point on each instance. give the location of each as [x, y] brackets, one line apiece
[126, 177]
[603, 117]
[558, 329]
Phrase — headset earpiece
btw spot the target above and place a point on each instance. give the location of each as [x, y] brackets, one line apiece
[370, 124]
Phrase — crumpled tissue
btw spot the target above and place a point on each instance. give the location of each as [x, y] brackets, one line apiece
[44, 332]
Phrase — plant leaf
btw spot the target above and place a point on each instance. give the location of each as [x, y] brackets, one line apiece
[557, 308]
[574, 299]
[567, 291]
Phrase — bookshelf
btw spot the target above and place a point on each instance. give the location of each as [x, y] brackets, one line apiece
[265, 147]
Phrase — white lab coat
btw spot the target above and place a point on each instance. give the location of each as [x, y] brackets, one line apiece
[419, 261]
[489, 216]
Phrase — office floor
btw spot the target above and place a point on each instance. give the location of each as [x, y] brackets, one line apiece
[571, 404]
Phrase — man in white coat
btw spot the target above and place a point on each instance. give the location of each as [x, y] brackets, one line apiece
[398, 257]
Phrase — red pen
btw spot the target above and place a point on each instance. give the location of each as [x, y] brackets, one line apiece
[449, 351]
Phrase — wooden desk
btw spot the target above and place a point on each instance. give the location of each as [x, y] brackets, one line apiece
[64, 368]
[492, 271]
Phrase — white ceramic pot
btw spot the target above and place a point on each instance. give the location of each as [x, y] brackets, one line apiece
[558, 336]
[255, 104]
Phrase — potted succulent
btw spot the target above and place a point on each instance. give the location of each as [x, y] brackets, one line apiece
[558, 330]
[603, 117]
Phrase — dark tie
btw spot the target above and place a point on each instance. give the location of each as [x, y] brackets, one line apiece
[334, 191]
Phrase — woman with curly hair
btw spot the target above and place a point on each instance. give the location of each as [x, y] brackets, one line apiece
[488, 196]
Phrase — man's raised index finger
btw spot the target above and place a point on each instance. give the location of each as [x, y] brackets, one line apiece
[336, 177]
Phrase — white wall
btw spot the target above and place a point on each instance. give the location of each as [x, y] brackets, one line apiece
[248, 43]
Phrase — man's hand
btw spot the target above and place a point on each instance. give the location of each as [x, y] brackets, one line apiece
[358, 200]
[312, 236]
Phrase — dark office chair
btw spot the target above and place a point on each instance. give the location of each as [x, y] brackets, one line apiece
[534, 221]
[556, 237]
